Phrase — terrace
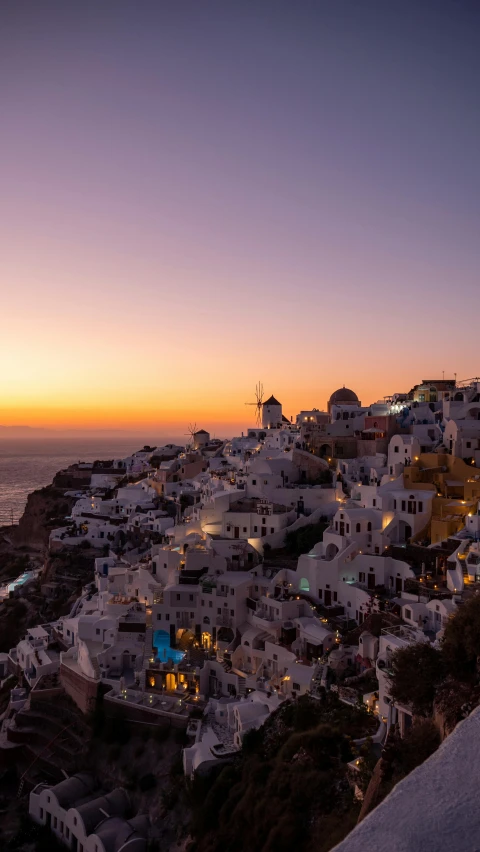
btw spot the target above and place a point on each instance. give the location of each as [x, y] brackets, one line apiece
[160, 705]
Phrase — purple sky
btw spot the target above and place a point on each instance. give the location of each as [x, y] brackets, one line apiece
[231, 191]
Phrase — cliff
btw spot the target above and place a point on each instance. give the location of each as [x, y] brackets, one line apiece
[45, 509]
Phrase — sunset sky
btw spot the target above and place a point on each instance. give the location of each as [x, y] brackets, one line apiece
[198, 195]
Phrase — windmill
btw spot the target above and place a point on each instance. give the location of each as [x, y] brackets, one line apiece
[258, 404]
[192, 428]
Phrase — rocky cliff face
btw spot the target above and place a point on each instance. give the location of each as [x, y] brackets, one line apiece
[45, 510]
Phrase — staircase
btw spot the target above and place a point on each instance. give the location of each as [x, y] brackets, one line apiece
[242, 689]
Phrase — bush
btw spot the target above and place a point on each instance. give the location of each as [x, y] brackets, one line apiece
[417, 671]
[181, 737]
[162, 733]
[461, 642]
[114, 752]
[147, 782]
[117, 730]
[420, 742]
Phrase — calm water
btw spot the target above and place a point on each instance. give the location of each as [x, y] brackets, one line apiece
[27, 464]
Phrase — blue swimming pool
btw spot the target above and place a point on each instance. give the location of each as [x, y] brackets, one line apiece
[163, 651]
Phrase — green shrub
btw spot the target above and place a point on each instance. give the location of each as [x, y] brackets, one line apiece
[147, 782]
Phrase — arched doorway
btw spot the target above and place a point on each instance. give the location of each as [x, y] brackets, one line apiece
[171, 682]
[331, 552]
[404, 532]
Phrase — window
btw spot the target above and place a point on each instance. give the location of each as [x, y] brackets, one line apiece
[272, 530]
[320, 593]
[74, 818]
[420, 506]
[159, 616]
[394, 502]
[468, 445]
[336, 525]
[178, 616]
[244, 529]
[374, 502]
[335, 596]
[178, 597]
[41, 813]
[190, 597]
[210, 604]
[369, 526]
[296, 686]
[219, 611]
[275, 656]
[403, 505]
[348, 528]
[228, 527]
[361, 577]
[397, 449]
[408, 613]
[167, 617]
[192, 615]
[358, 528]
[254, 481]
[232, 612]
[232, 591]
[255, 529]
[97, 631]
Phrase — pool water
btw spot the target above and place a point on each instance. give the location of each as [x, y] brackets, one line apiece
[163, 651]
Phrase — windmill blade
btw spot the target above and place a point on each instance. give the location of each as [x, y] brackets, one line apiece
[192, 428]
[258, 403]
[259, 393]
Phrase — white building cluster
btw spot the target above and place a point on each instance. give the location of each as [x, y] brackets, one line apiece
[193, 616]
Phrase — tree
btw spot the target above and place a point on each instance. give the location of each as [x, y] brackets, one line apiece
[417, 671]
[461, 642]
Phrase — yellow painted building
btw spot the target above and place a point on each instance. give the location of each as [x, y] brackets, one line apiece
[458, 490]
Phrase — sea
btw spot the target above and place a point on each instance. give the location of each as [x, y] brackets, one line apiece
[30, 463]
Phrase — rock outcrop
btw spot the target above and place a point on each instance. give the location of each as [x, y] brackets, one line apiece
[45, 509]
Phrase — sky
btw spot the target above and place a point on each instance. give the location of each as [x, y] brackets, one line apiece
[199, 195]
